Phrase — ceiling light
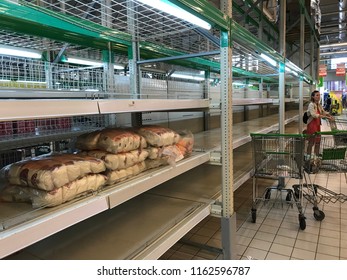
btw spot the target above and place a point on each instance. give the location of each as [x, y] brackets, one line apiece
[269, 60]
[172, 9]
[14, 51]
[89, 62]
[81, 61]
[188, 77]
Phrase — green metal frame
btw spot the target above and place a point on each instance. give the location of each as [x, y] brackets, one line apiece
[38, 21]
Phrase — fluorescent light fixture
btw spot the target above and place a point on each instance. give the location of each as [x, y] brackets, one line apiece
[14, 51]
[81, 61]
[268, 59]
[4, 80]
[238, 84]
[188, 77]
[89, 62]
[92, 90]
[174, 10]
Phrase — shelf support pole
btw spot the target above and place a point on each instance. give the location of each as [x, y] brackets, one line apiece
[228, 216]
[302, 66]
[281, 89]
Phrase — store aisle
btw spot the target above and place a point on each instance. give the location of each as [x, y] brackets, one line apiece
[276, 234]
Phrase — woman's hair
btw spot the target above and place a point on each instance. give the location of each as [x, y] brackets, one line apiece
[313, 94]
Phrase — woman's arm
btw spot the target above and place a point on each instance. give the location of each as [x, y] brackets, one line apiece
[313, 110]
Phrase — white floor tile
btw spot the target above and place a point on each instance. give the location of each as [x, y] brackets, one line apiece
[255, 254]
[260, 244]
[281, 249]
[303, 254]
[305, 245]
[328, 250]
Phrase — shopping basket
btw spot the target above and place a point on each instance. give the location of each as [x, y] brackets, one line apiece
[278, 156]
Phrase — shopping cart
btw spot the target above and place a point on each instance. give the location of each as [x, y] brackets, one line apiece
[332, 158]
[338, 124]
[278, 156]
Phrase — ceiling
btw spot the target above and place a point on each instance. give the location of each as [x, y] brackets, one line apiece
[333, 39]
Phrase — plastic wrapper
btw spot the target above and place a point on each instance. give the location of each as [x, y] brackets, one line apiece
[88, 141]
[51, 172]
[157, 136]
[40, 198]
[186, 142]
[116, 140]
[117, 176]
[120, 160]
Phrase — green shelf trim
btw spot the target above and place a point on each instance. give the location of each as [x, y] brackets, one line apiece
[29, 20]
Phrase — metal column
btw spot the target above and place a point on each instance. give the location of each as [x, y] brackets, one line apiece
[281, 87]
[134, 68]
[302, 66]
[228, 215]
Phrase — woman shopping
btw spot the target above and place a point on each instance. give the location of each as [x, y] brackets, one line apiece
[315, 113]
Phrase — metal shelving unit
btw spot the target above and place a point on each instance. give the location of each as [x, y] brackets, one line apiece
[100, 30]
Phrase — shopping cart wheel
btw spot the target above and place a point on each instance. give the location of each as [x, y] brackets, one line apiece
[302, 221]
[296, 191]
[289, 197]
[254, 215]
[318, 214]
[268, 194]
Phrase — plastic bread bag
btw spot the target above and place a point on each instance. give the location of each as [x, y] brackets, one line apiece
[186, 142]
[40, 198]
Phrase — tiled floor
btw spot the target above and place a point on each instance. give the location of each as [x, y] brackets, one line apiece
[276, 235]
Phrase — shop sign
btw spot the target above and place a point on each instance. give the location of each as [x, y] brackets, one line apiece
[340, 69]
[322, 70]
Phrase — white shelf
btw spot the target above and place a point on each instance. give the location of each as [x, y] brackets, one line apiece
[49, 108]
[31, 109]
[31, 226]
[141, 228]
[148, 180]
[42, 224]
[140, 105]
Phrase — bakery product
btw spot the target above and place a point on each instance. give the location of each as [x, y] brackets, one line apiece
[120, 140]
[120, 160]
[158, 136]
[40, 198]
[117, 176]
[54, 171]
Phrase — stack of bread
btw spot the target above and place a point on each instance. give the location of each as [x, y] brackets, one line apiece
[106, 157]
[52, 180]
[122, 150]
[165, 146]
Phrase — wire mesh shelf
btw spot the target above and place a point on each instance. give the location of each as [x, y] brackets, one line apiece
[26, 133]
[17, 72]
[141, 21]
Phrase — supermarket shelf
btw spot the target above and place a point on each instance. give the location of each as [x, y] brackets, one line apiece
[16, 141]
[28, 226]
[148, 180]
[31, 109]
[138, 228]
[19, 220]
[129, 231]
[210, 140]
[140, 105]
[48, 94]
[34, 108]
